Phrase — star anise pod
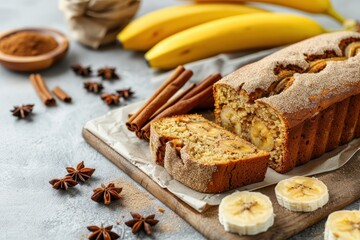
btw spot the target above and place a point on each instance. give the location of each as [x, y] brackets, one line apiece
[63, 183]
[110, 98]
[81, 70]
[94, 87]
[22, 111]
[139, 223]
[80, 173]
[108, 73]
[106, 194]
[102, 233]
[125, 93]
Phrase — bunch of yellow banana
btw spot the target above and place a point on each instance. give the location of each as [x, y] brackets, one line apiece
[236, 33]
[181, 34]
[311, 6]
[144, 32]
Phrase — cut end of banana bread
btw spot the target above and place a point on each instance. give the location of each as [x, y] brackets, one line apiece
[254, 122]
[204, 156]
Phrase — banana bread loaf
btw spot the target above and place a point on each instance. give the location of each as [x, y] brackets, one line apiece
[204, 156]
[297, 103]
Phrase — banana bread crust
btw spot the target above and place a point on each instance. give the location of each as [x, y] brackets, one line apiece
[213, 178]
[310, 92]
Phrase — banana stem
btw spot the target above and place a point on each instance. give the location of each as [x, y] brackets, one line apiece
[334, 14]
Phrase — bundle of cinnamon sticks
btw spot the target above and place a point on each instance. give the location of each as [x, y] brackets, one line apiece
[163, 103]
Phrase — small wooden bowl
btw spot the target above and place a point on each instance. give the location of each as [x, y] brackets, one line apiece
[39, 62]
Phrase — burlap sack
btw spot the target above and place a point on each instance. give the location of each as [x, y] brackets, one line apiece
[97, 22]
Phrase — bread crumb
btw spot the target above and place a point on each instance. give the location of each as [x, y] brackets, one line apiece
[161, 210]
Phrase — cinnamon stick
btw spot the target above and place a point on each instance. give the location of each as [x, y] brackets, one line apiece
[63, 96]
[205, 104]
[181, 107]
[42, 90]
[191, 91]
[180, 69]
[208, 102]
[174, 100]
[209, 81]
[139, 134]
[160, 100]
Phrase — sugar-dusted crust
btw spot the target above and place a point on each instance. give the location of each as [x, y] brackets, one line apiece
[319, 110]
[323, 88]
[313, 92]
[261, 73]
[213, 178]
[174, 154]
[157, 146]
[183, 168]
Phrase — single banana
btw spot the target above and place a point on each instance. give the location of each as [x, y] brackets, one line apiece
[312, 6]
[302, 194]
[260, 135]
[343, 225]
[246, 213]
[250, 31]
[144, 32]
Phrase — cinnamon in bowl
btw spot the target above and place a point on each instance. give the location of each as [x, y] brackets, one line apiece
[27, 44]
[32, 49]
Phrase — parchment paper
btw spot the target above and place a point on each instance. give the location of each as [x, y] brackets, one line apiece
[111, 129]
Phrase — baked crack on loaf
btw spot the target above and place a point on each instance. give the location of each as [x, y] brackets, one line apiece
[204, 156]
[297, 103]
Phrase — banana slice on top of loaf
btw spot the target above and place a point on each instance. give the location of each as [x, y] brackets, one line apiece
[204, 156]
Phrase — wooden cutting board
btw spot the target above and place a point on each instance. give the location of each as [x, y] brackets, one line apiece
[343, 184]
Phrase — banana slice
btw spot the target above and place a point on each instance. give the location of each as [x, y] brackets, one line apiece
[203, 128]
[352, 49]
[228, 116]
[302, 194]
[231, 119]
[246, 213]
[235, 146]
[238, 128]
[343, 225]
[260, 135]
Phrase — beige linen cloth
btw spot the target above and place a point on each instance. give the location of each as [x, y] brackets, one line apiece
[97, 22]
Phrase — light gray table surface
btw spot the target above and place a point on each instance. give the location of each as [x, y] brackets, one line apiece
[34, 151]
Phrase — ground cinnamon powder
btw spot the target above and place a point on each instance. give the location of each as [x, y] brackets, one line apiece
[27, 44]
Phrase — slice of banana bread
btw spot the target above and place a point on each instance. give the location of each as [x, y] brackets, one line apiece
[204, 156]
[297, 103]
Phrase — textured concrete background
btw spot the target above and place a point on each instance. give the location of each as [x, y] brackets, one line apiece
[34, 151]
